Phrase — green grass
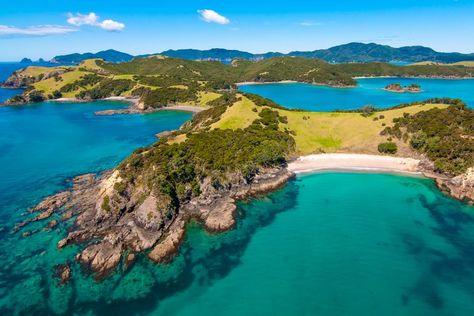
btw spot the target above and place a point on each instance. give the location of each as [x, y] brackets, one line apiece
[49, 85]
[239, 115]
[324, 131]
[459, 63]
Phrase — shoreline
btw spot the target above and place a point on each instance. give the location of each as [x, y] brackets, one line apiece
[355, 162]
[402, 91]
[251, 83]
[414, 77]
[458, 187]
[135, 110]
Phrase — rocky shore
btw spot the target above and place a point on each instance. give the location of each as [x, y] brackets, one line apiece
[395, 87]
[110, 238]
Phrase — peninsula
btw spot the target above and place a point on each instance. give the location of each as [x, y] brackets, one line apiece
[241, 147]
[238, 146]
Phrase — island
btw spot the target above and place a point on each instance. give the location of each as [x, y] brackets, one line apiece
[239, 145]
[396, 87]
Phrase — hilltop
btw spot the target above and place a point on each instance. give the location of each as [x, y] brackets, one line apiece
[160, 81]
[110, 55]
[351, 52]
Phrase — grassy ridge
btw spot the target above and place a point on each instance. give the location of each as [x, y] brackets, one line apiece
[324, 131]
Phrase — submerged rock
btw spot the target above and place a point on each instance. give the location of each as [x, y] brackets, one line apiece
[63, 273]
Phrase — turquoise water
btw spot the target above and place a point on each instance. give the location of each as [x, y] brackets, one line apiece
[326, 244]
[369, 91]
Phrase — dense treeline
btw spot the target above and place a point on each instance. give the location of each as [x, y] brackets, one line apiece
[161, 97]
[83, 82]
[107, 88]
[446, 136]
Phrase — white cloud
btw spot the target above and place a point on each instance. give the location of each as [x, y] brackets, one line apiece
[310, 23]
[39, 30]
[212, 16]
[82, 19]
[111, 25]
[93, 19]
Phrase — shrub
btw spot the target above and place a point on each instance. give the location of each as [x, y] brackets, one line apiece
[388, 148]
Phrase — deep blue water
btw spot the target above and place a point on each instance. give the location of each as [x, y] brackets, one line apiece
[369, 91]
[6, 69]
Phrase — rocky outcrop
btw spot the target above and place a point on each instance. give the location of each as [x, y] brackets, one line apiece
[113, 228]
[167, 247]
[396, 87]
[63, 273]
[460, 187]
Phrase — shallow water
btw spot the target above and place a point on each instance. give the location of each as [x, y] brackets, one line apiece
[369, 91]
[328, 244]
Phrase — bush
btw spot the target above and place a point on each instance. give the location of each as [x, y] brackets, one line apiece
[388, 148]
[36, 96]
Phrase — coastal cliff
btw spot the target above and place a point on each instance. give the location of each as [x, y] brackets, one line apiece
[460, 187]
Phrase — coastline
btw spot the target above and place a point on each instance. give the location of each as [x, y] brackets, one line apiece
[402, 91]
[355, 162]
[134, 107]
[251, 83]
[415, 77]
[460, 187]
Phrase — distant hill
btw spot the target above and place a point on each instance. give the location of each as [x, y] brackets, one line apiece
[219, 54]
[359, 52]
[108, 55]
[352, 52]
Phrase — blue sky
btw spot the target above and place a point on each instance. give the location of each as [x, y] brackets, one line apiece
[47, 28]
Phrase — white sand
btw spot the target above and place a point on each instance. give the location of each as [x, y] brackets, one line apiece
[359, 162]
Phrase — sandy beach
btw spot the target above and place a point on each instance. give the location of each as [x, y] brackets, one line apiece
[359, 162]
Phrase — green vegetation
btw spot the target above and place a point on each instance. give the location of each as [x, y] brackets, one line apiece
[445, 136]
[173, 171]
[107, 88]
[160, 81]
[388, 148]
[316, 132]
[165, 96]
[105, 204]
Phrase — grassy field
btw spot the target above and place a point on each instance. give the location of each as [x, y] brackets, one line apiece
[343, 132]
[239, 115]
[325, 131]
[49, 85]
[459, 63]
[205, 97]
[91, 65]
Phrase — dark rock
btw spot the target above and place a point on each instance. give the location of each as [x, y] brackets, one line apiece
[63, 272]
